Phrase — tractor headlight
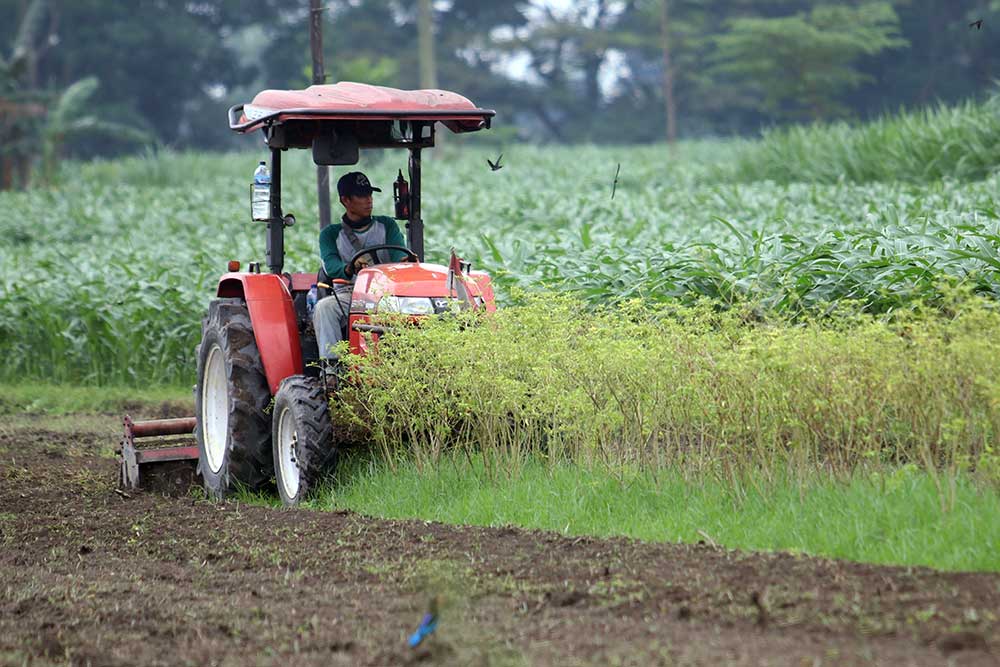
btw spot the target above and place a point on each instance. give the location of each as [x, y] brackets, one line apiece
[408, 305]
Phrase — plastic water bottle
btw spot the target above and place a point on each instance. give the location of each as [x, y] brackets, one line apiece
[260, 193]
[311, 300]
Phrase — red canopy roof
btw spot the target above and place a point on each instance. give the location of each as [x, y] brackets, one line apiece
[348, 100]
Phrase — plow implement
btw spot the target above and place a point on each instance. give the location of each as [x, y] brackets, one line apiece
[160, 450]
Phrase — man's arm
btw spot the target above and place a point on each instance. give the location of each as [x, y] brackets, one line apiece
[332, 262]
[393, 236]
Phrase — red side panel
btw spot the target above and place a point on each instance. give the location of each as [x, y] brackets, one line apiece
[358, 342]
[303, 281]
[273, 317]
[485, 285]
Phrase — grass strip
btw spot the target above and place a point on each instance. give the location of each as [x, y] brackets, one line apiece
[919, 146]
[57, 399]
[893, 516]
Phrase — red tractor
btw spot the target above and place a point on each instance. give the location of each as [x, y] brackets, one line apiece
[261, 400]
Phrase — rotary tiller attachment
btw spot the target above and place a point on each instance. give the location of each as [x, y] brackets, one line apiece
[157, 450]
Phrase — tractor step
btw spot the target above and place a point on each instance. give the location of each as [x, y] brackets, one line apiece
[159, 453]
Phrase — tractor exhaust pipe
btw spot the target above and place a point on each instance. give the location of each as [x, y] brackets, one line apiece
[138, 462]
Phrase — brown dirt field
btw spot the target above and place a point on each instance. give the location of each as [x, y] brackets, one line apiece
[90, 577]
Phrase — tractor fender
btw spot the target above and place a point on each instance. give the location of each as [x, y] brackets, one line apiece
[273, 319]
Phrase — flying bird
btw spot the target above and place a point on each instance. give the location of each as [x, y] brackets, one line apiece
[614, 186]
[427, 626]
[977, 24]
[494, 166]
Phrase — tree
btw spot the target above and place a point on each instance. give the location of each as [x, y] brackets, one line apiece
[41, 121]
[798, 66]
[947, 61]
[21, 106]
[567, 50]
[68, 117]
[163, 65]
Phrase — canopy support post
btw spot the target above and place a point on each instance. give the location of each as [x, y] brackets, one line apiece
[276, 224]
[415, 225]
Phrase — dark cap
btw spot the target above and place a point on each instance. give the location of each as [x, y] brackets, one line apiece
[354, 183]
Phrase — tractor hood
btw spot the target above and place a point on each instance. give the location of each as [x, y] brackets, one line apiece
[417, 279]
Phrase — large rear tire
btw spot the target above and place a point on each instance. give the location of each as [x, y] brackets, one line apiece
[233, 427]
[304, 446]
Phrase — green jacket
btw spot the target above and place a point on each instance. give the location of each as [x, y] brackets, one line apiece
[334, 263]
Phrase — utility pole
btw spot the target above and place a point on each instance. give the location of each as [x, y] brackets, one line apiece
[425, 49]
[425, 45]
[319, 77]
[668, 74]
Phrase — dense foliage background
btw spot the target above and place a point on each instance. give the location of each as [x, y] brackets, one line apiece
[555, 71]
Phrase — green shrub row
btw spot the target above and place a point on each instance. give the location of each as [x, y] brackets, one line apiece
[640, 386]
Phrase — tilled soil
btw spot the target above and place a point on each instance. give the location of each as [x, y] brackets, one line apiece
[92, 576]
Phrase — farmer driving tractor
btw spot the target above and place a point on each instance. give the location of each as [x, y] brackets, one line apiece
[261, 408]
[338, 243]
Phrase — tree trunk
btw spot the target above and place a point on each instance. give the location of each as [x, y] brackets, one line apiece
[668, 73]
[319, 77]
[6, 173]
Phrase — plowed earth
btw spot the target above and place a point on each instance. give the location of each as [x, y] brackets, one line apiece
[90, 576]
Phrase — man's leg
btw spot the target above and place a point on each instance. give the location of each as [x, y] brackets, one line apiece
[329, 320]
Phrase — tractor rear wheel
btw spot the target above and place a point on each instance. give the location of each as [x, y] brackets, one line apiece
[304, 446]
[233, 428]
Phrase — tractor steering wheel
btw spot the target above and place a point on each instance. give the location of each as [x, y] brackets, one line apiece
[411, 256]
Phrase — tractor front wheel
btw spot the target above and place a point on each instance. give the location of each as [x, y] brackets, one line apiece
[233, 428]
[304, 447]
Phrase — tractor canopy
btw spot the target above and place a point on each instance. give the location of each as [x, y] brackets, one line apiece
[379, 117]
[338, 120]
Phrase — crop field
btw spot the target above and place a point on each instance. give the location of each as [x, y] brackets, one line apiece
[104, 279]
[789, 346]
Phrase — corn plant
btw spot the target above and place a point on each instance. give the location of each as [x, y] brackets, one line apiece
[106, 278]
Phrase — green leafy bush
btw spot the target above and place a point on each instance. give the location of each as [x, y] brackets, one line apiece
[645, 386]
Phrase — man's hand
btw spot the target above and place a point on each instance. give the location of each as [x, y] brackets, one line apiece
[362, 262]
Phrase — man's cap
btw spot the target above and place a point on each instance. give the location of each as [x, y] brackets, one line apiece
[354, 183]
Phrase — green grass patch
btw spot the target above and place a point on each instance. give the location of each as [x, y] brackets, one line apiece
[66, 399]
[895, 517]
[957, 142]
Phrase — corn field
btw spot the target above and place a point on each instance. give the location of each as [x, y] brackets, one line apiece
[104, 278]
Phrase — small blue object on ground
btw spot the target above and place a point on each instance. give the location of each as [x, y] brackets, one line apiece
[427, 626]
